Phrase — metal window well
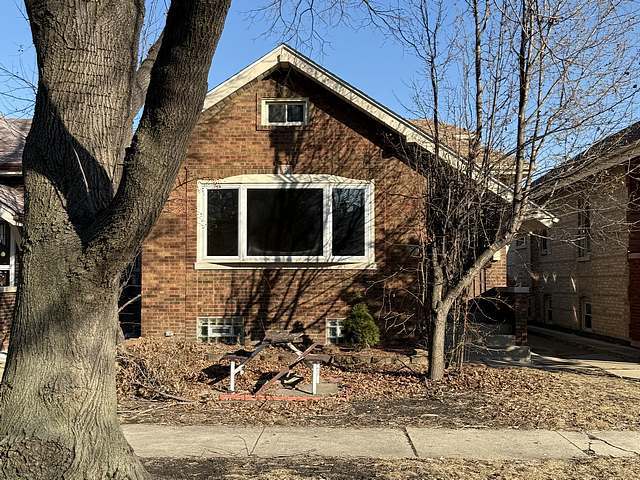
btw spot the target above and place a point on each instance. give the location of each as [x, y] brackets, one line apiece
[221, 329]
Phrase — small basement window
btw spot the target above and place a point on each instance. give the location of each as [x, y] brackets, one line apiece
[229, 330]
[285, 113]
[335, 334]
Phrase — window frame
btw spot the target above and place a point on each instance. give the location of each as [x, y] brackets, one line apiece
[264, 112]
[544, 243]
[339, 326]
[521, 242]
[584, 301]
[547, 309]
[583, 242]
[11, 266]
[235, 323]
[266, 181]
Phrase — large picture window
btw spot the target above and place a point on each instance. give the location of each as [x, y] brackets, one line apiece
[278, 218]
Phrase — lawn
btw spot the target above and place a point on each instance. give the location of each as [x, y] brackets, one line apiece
[310, 468]
[154, 373]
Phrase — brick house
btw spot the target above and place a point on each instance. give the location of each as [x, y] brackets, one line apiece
[583, 274]
[291, 203]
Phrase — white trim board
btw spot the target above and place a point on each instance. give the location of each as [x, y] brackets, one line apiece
[285, 55]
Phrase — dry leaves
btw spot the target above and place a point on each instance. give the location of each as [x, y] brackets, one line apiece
[380, 394]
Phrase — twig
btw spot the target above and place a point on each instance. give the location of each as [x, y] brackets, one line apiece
[164, 394]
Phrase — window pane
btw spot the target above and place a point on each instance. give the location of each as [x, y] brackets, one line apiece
[277, 112]
[284, 222]
[5, 243]
[222, 222]
[295, 112]
[348, 222]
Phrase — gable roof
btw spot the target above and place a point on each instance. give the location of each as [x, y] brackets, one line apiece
[611, 151]
[13, 133]
[284, 55]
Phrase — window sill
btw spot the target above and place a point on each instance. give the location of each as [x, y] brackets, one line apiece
[204, 265]
[584, 258]
[8, 289]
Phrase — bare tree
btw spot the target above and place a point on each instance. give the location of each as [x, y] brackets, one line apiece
[93, 191]
[510, 90]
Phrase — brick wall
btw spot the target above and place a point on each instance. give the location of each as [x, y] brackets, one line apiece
[601, 277]
[633, 215]
[229, 140]
[7, 302]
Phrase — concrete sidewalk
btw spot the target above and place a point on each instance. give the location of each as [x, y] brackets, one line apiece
[224, 441]
[565, 351]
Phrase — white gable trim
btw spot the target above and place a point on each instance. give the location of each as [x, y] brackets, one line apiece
[283, 54]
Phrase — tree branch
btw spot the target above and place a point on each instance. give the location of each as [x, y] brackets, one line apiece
[177, 86]
[143, 77]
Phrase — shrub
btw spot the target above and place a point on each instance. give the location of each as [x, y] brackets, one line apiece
[360, 329]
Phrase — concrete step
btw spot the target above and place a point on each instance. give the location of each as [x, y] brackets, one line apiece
[499, 341]
[513, 354]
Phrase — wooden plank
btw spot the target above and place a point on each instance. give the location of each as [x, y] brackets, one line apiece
[287, 369]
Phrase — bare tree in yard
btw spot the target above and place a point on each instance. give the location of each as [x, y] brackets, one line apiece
[527, 84]
[93, 191]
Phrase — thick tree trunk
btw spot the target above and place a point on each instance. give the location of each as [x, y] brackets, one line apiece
[84, 223]
[58, 398]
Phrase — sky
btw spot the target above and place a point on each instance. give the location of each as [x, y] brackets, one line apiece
[363, 57]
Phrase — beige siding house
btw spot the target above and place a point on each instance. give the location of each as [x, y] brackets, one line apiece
[583, 274]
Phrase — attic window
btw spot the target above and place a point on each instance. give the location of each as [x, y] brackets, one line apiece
[285, 113]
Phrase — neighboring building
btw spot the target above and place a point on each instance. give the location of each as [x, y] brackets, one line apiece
[284, 155]
[584, 273]
[13, 133]
[12, 136]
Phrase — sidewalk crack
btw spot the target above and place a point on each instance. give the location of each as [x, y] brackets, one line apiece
[587, 451]
[408, 437]
[593, 437]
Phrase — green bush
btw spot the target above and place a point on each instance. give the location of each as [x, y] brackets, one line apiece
[360, 329]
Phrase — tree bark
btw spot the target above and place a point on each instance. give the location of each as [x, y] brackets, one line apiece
[83, 224]
[436, 352]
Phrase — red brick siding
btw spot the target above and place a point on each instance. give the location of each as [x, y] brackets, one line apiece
[7, 302]
[229, 141]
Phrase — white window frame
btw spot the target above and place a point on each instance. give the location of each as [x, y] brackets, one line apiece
[11, 266]
[264, 112]
[325, 182]
[339, 331]
[235, 322]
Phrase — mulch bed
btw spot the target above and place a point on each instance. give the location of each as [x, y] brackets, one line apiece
[154, 375]
[313, 468]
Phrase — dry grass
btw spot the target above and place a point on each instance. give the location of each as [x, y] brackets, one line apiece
[295, 468]
[154, 371]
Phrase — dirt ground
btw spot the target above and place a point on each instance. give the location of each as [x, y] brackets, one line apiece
[310, 468]
[378, 395]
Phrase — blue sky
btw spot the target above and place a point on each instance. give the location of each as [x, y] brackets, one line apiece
[362, 57]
